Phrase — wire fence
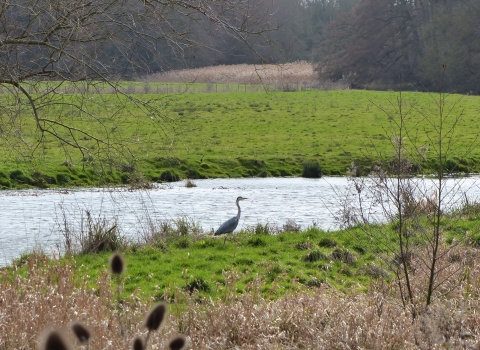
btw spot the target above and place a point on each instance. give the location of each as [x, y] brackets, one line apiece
[167, 88]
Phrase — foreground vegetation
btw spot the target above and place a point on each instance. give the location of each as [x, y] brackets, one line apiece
[282, 264]
[284, 260]
[265, 287]
[238, 135]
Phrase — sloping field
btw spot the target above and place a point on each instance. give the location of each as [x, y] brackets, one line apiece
[202, 135]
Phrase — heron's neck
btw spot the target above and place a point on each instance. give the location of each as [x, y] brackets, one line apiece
[239, 211]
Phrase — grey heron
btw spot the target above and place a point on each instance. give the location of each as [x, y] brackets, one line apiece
[231, 224]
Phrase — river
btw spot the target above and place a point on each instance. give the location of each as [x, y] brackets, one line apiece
[35, 218]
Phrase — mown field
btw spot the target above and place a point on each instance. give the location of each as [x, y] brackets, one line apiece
[238, 134]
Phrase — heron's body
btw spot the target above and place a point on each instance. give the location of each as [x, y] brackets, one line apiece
[231, 224]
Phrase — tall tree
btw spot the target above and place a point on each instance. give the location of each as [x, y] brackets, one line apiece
[375, 41]
[451, 38]
[405, 41]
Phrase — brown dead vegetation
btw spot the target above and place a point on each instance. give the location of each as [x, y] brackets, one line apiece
[322, 318]
[289, 73]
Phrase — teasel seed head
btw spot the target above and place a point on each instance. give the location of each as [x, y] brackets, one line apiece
[54, 340]
[155, 316]
[138, 344]
[81, 332]
[177, 343]
[117, 264]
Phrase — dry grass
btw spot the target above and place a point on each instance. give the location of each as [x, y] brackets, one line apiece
[321, 318]
[47, 298]
[190, 183]
[289, 73]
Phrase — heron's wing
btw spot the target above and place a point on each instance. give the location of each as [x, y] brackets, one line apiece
[228, 226]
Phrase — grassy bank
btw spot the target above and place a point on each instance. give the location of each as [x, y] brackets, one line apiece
[282, 260]
[282, 264]
[238, 134]
[289, 290]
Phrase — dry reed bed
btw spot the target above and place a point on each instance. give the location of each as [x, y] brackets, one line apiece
[321, 318]
[289, 73]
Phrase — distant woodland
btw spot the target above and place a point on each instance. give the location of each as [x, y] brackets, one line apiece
[370, 43]
[378, 44]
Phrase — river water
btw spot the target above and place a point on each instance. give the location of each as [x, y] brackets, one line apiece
[35, 218]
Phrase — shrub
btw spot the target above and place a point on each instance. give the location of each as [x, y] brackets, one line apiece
[169, 176]
[273, 271]
[4, 180]
[373, 270]
[263, 229]
[62, 179]
[312, 170]
[256, 242]
[291, 226]
[344, 255]
[185, 226]
[327, 243]
[189, 183]
[18, 176]
[315, 255]
[41, 180]
[100, 236]
[183, 242]
[259, 229]
[315, 282]
[197, 284]
[303, 245]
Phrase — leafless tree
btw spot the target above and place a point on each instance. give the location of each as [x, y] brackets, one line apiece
[374, 41]
[415, 241]
[62, 64]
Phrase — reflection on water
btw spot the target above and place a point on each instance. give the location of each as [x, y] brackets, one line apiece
[31, 218]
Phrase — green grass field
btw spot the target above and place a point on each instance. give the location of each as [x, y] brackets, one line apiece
[292, 286]
[208, 135]
[285, 263]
